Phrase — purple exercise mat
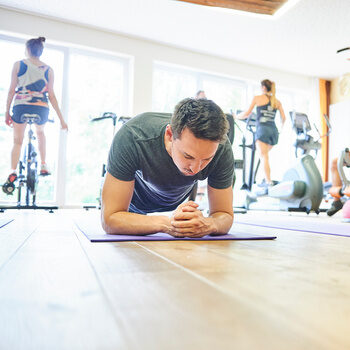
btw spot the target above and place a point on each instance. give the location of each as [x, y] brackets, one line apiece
[4, 222]
[95, 234]
[291, 223]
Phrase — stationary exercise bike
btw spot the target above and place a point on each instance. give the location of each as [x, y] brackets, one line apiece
[28, 175]
[115, 120]
[301, 188]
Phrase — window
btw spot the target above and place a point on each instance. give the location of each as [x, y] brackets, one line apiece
[96, 85]
[47, 185]
[229, 94]
[11, 52]
[171, 85]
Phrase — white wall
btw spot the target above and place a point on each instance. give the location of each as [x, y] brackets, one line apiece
[143, 52]
[339, 139]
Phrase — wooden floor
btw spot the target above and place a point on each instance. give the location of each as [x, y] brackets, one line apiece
[59, 291]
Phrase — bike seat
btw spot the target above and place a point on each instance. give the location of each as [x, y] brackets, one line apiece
[30, 118]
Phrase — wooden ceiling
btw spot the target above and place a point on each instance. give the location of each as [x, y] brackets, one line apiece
[266, 7]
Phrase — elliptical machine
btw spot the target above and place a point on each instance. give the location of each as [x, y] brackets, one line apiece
[304, 141]
[28, 175]
[301, 188]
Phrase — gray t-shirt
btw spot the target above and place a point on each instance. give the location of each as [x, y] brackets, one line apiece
[138, 153]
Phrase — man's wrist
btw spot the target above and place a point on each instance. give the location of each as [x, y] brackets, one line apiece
[164, 224]
[213, 225]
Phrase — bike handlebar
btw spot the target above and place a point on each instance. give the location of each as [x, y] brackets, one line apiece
[110, 115]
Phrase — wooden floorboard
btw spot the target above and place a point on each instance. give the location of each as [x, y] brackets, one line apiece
[50, 297]
[300, 278]
[59, 291]
[182, 311]
[14, 234]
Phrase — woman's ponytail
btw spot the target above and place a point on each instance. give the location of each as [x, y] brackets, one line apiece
[271, 90]
[273, 101]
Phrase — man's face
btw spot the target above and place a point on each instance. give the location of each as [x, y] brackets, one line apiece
[190, 154]
[201, 95]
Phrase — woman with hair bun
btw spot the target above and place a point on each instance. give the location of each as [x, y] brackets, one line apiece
[30, 91]
[266, 130]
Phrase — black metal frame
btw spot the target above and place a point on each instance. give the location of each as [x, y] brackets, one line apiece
[28, 173]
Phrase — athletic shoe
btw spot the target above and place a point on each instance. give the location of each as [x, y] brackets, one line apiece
[336, 206]
[44, 171]
[268, 184]
[8, 187]
[263, 183]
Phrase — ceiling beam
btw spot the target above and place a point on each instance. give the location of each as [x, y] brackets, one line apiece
[266, 7]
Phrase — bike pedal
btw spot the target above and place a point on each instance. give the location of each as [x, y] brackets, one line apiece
[8, 188]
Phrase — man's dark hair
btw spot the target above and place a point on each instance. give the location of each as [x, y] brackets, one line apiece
[35, 46]
[203, 118]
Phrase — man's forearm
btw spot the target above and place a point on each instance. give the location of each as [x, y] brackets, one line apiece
[134, 224]
[222, 222]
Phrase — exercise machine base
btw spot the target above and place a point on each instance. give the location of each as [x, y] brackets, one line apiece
[34, 207]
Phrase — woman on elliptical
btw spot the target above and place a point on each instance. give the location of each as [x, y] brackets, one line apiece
[266, 130]
[30, 90]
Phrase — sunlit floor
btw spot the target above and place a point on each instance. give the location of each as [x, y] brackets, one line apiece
[59, 291]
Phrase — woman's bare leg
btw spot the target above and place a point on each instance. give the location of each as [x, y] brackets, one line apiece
[264, 150]
[18, 135]
[41, 142]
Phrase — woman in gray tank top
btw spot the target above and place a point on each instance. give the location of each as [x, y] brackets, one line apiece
[266, 131]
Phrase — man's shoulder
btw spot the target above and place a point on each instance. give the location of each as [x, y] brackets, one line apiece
[147, 125]
[150, 117]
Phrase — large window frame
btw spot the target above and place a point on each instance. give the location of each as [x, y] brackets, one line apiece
[125, 60]
[199, 75]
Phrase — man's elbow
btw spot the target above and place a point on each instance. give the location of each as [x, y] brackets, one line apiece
[112, 224]
[108, 227]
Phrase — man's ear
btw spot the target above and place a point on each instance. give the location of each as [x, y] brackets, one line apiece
[169, 132]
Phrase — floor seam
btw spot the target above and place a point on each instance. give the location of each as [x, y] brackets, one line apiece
[211, 284]
[103, 290]
[194, 274]
[17, 249]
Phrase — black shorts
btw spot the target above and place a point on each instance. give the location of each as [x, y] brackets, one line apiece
[267, 133]
[19, 110]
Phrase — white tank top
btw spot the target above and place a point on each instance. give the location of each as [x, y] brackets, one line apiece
[32, 85]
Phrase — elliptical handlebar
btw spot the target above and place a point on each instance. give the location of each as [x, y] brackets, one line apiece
[305, 141]
[329, 127]
[250, 121]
